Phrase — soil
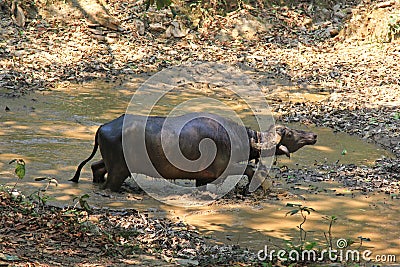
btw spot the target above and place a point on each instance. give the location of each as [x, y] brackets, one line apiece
[33, 234]
[331, 48]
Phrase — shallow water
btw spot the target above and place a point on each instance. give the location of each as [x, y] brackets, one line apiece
[54, 131]
[334, 147]
[257, 224]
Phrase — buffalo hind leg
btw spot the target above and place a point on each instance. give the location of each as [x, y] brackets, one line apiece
[201, 182]
[115, 180]
[99, 171]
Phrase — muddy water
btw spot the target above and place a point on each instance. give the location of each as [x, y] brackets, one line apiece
[53, 132]
[255, 225]
[334, 148]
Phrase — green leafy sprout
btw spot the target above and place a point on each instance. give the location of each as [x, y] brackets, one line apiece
[328, 236]
[40, 193]
[304, 211]
[19, 170]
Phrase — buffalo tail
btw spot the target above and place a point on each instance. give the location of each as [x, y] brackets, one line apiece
[78, 171]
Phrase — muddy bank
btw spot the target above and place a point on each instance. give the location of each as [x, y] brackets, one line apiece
[70, 237]
[361, 114]
[297, 42]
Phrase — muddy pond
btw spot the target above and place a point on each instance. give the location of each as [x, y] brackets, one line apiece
[53, 132]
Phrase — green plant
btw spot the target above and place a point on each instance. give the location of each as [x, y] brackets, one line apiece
[305, 245]
[159, 3]
[393, 28]
[19, 170]
[291, 177]
[302, 210]
[82, 201]
[373, 121]
[328, 236]
[39, 195]
[362, 239]
[310, 245]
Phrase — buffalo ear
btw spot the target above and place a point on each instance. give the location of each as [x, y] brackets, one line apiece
[279, 132]
[284, 150]
[278, 137]
[254, 145]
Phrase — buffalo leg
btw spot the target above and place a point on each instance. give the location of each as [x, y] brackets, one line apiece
[235, 169]
[201, 182]
[99, 171]
[260, 175]
[115, 179]
[248, 171]
[113, 182]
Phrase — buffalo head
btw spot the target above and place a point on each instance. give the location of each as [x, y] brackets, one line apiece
[285, 140]
[292, 140]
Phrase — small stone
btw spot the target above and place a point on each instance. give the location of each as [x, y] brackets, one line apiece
[307, 22]
[157, 27]
[386, 4]
[333, 31]
[336, 7]
[187, 262]
[139, 26]
[340, 14]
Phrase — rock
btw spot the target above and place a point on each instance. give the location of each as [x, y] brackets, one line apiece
[92, 25]
[386, 4]
[248, 27]
[112, 35]
[336, 7]
[176, 29]
[99, 37]
[243, 182]
[17, 14]
[340, 14]
[326, 12]
[223, 36]
[20, 53]
[139, 26]
[307, 22]
[187, 262]
[333, 31]
[157, 27]
[96, 31]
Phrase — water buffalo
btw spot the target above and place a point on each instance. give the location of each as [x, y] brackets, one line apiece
[223, 132]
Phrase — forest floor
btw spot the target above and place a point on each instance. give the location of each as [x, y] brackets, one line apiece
[333, 49]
